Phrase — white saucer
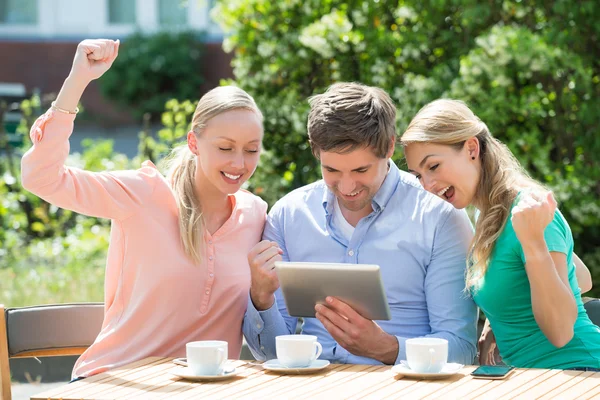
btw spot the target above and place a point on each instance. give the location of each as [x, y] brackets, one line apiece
[448, 370]
[273, 365]
[186, 373]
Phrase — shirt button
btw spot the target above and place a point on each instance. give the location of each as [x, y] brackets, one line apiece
[258, 326]
[208, 291]
[211, 275]
[351, 253]
[210, 258]
[262, 348]
[210, 242]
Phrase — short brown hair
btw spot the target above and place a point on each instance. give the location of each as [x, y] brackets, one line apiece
[350, 116]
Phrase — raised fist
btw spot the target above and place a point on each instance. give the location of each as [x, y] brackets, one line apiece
[93, 58]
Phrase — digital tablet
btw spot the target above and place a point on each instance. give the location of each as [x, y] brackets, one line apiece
[304, 284]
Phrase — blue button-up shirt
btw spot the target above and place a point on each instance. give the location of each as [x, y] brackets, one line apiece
[420, 243]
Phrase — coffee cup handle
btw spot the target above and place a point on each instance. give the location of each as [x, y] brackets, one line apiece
[431, 355]
[222, 357]
[319, 351]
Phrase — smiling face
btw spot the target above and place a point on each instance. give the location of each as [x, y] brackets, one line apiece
[227, 150]
[354, 178]
[449, 172]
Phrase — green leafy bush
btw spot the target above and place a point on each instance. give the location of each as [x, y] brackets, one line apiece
[529, 69]
[151, 69]
[48, 254]
[540, 100]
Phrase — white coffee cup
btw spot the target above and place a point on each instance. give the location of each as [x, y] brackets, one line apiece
[426, 355]
[206, 357]
[297, 351]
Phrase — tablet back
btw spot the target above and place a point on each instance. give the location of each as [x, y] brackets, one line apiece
[304, 284]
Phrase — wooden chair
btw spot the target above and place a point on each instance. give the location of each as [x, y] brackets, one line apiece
[46, 331]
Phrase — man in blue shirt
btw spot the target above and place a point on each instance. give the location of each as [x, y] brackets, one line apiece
[365, 211]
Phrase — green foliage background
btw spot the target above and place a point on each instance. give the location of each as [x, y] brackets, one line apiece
[529, 69]
[152, 69]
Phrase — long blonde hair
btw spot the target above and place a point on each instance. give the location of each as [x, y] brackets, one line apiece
[181, 164]
[452, 123]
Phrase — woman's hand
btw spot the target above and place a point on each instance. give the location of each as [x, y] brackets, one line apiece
[93, 58]
[488, 351]
[264, 281]
[531, 216]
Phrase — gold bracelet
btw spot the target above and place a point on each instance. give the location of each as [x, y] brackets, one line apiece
[62, 110]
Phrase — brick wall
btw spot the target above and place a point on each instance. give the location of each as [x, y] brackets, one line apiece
[45, 65]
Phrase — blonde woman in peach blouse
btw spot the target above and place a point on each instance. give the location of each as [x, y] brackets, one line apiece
[177, 268]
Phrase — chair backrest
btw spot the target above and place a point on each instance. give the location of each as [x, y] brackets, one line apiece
[593, 310]
[44, 331]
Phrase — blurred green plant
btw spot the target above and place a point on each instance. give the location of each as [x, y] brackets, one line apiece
[48, 254]
[151, 69]
[529, 69]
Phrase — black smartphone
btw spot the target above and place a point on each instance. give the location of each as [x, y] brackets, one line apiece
[492, 371]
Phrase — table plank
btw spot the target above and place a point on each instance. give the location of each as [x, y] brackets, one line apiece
[395, 386]
[313, 389]
[68, 388]
[290, 382]
[465, 388]
[372, 377]
[255, 376]
[499, 388]
[169, 385]
[151, 382]
[248, 371]
[593, 394]
[336, 385]
[583, 387]
[151, 379]
[529, 384]
[557, 380]
[427, 387]
[118, 383]
[555, 392]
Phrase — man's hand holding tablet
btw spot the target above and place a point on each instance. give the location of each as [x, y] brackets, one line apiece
[358, 335]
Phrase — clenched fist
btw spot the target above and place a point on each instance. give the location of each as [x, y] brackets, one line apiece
[531, 216]
[264, 282]
[93, 58]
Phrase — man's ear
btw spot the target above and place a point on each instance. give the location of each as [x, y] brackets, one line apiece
[391, 150]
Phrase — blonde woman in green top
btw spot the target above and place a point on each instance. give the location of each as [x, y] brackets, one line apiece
[522, 273]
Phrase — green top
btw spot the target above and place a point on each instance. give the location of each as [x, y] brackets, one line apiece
[505, 298]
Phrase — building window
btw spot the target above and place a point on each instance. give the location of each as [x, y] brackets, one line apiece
[172, 12]
[211, 22]
[18, 12]
[121, 11]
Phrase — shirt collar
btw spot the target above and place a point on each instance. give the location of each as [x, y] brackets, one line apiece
[381, 198]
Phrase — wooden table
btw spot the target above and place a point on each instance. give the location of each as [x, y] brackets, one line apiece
[150, 379]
